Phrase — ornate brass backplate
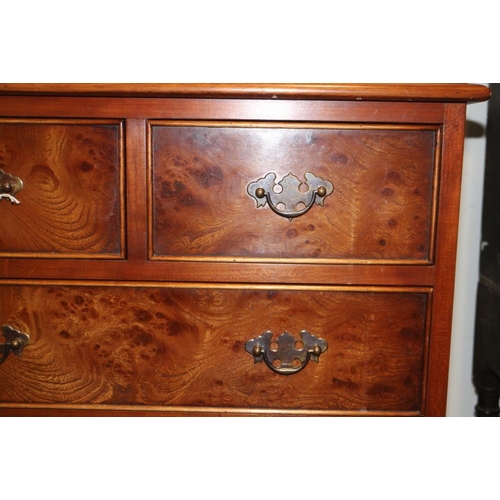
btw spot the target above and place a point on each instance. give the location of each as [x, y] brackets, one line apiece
[286, 198]
[286, 355]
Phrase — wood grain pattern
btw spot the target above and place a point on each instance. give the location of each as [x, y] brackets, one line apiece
[146, 171]
[185, 347]
[222, 109]
[136, 191]
[228, 272]
[349, 91]
[71, 200]
[381, 207]
[446, 247]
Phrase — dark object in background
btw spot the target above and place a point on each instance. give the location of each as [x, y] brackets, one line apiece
[486, 367]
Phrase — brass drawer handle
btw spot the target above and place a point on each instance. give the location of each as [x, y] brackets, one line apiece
[290, 201]
[9, 186]
[286, 355]
[16, 342]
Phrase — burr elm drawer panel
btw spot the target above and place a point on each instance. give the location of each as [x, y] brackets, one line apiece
[380, 208]
[71, 200]
[185, 348]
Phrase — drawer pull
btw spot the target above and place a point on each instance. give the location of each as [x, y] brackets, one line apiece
[16, 341]
[9, 186]
[290, 201]
[286, 355]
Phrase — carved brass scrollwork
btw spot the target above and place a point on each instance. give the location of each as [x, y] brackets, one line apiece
[9, 186]
[16, 341]
[286, 355]
[290, 201]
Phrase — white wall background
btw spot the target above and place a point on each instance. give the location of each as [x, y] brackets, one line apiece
[461, 393]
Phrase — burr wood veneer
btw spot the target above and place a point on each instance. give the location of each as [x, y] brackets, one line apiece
[162, 230]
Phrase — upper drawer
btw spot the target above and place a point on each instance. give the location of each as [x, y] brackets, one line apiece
[379, 180]
[71, 200]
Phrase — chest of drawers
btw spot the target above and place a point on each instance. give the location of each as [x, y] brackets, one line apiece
[228, 249]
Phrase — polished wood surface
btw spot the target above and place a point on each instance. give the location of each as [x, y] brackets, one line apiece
[71, 200]
[366, 91]
[140, 266]
[72, 106]
[153, 345]
[381, 208]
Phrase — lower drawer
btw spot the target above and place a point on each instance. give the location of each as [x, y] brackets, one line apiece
[185, 348]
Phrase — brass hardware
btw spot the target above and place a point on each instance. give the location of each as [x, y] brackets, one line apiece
[16, 342]
[257, 350]
[9, 186]
[286, 355]
[290, 196]
[260, 192]
[321, 191]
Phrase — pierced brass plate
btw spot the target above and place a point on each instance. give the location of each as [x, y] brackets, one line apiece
[286, 355]
[289, 197]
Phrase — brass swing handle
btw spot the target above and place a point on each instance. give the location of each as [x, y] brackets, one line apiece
[16, 341]
[290, 196]
[9, 186]
[286, 355]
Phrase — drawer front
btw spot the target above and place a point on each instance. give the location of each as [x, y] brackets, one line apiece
[178, 347]
[203, 179]
[71, 201]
